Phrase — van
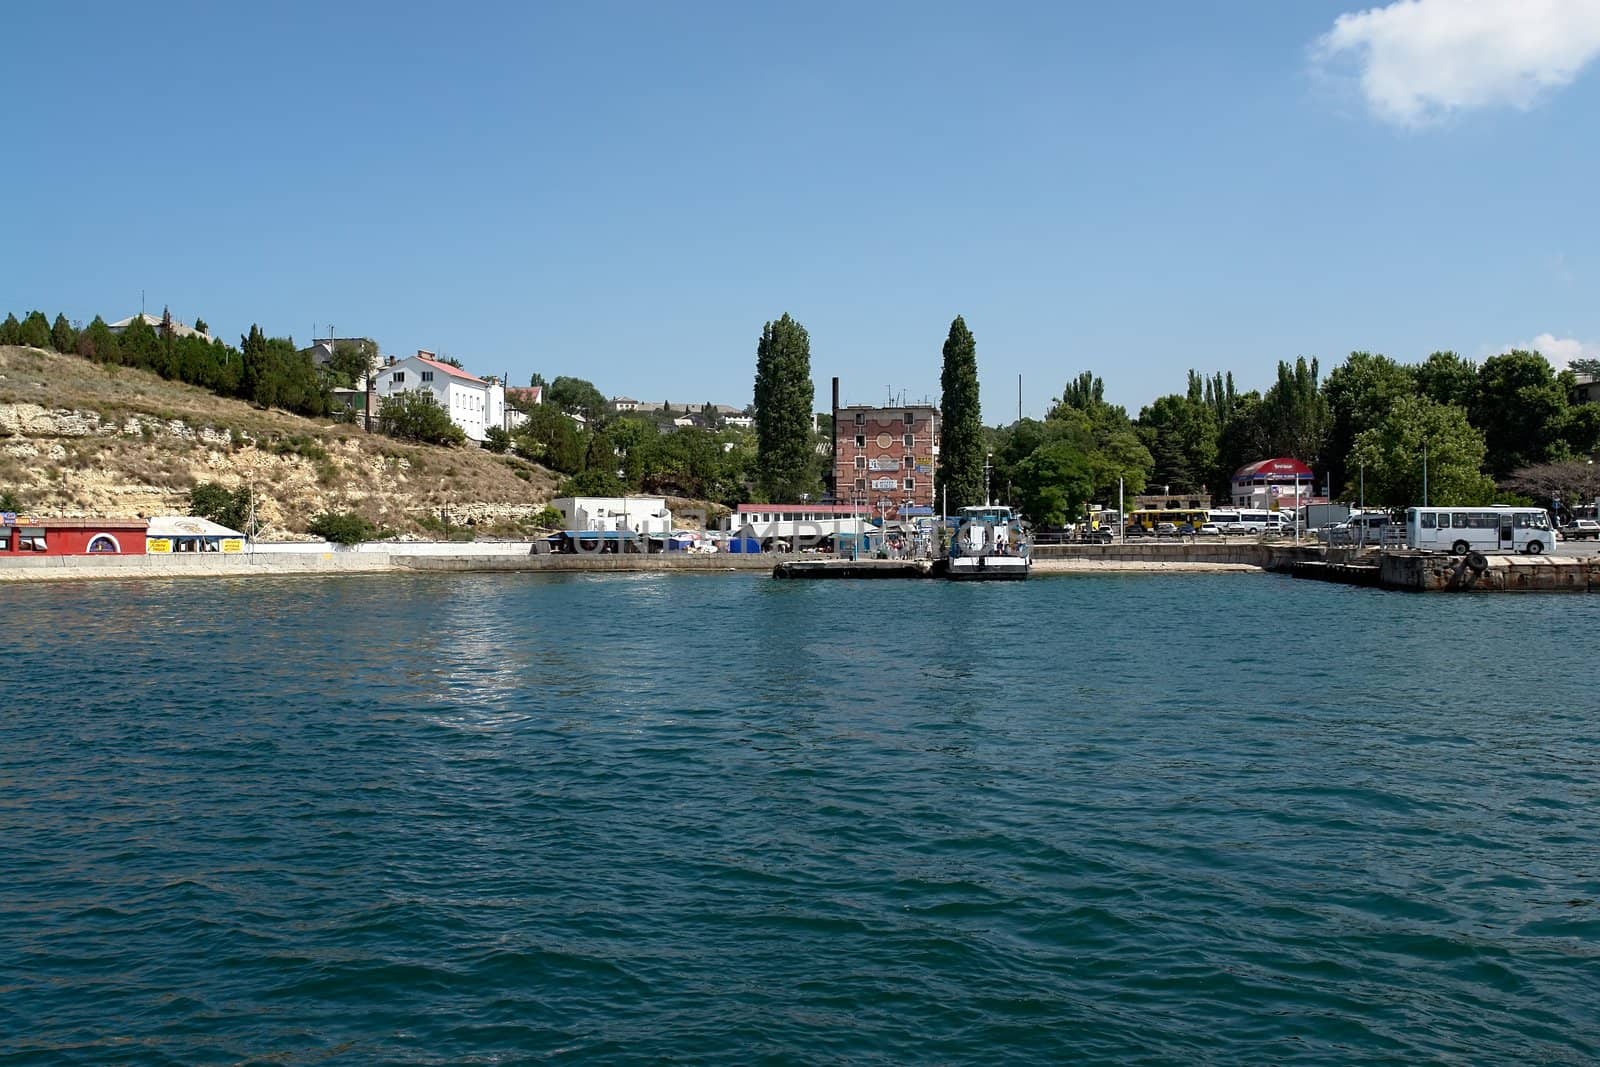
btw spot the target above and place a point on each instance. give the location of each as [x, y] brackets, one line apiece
[1363, 529]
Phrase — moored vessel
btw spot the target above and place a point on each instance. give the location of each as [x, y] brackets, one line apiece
[988, 545]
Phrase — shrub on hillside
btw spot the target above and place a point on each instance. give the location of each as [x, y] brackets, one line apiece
[496, 440]
[342, 528]
[414, 416]
[230, 507]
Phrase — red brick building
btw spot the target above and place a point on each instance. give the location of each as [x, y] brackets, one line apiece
[884, 458]
[22, 536]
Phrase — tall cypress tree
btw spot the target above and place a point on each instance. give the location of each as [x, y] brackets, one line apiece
[786, 461]
[63, 338]
[961, 454]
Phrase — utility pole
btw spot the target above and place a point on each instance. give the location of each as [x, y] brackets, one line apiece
[1424, 472]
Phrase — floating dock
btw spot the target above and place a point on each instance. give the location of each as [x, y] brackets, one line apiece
[854, 568]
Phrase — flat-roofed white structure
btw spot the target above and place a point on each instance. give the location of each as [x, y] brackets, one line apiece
[614, 514]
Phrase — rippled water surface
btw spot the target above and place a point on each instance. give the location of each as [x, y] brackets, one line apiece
[470, 819]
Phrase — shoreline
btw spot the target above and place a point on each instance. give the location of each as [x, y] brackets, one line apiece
[307, 564]
[1141, 566]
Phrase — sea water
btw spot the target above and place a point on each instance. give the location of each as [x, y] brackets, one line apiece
[721, 819]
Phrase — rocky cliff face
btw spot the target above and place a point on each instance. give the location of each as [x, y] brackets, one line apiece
[77, 439]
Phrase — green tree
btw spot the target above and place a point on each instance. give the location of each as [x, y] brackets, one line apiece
[1392, 454]
[536, 381]
[594, 482]
[10, 330]
[1520, 406]
[416, 416]
[276, 374]
[63, 338]
[1294, 415]
[1086, 393]
[1446, 378]
[958, 480]
[1180, 430]
[1052, 468]
[98, 343]
[636, 441]
[138, 344]
[1053, 483]
[496, 440]
[1107, 437]
[1359, 393]
[549, 437]
[786, 462]
[34, 331]
[351, 360]
[342, 528]
[230, 507]
[200, 325]
[575, 396]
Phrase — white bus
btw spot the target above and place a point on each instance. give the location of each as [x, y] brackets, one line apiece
[1247, 521]
[1495, 528]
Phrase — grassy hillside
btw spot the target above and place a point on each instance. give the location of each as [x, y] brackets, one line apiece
[78, 438]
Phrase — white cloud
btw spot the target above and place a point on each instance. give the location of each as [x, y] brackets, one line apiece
[1418, 61]
[1560, 351]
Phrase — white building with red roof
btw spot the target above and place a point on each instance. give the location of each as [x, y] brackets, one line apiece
[474, 404]
[1283, 479]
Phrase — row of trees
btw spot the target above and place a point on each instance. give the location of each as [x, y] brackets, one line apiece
[264, 370]
[1366, 427]
[632, 453]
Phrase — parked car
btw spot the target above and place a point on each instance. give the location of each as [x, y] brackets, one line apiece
[1581, 529]
[1166, 529]
[1209, 529]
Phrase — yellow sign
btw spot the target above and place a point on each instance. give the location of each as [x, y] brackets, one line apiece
[233, 544]
[158, 545]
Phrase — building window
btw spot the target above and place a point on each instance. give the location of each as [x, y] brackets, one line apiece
[909, 418]
[399, 377]
[911, 463]
[427, 375]
[861, 485]
[911, 483]
[861, 440]
[861, 418]
[910, 440]
[861, 463]
[104, 543]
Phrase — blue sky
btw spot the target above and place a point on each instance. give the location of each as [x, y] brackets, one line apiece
[626, 192]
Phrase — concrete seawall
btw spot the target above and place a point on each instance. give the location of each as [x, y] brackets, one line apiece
[346, 561]
[1413, 571]
[1263, 555]
[1427, 573]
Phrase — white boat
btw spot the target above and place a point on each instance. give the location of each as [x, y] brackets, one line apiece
[988, 546]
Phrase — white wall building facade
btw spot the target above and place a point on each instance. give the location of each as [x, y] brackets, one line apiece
[472, 403]
[607, 514]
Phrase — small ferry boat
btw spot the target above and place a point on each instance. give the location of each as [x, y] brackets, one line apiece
[987, 546]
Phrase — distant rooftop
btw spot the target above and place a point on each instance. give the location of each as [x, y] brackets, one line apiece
[182, 329]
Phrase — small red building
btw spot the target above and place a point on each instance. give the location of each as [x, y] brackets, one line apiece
[23, 536]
